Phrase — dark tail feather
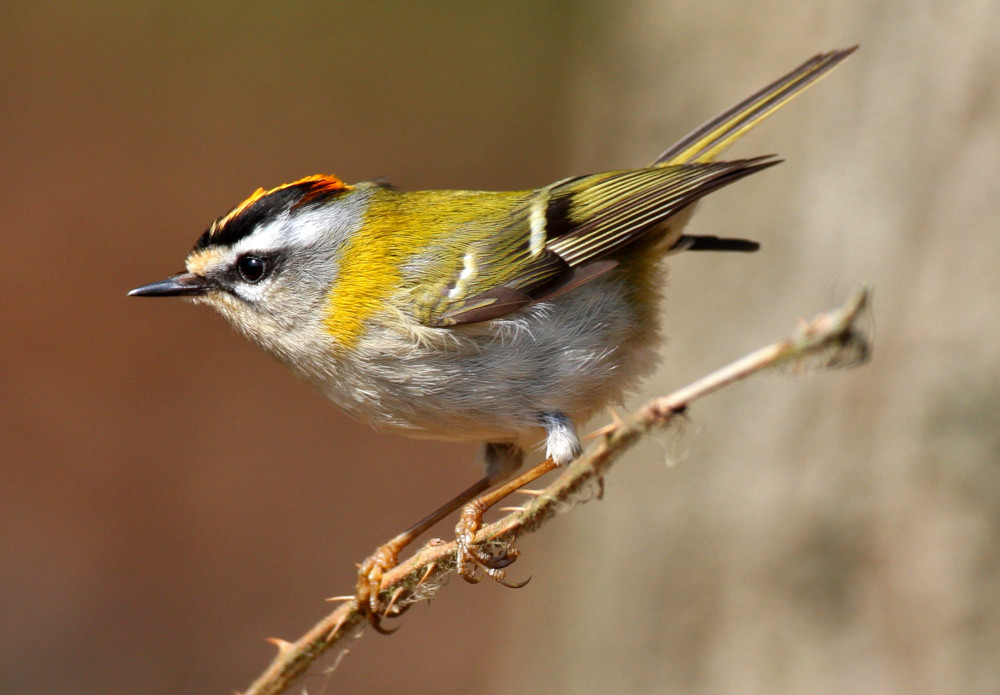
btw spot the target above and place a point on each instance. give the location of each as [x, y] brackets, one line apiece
[714, 243]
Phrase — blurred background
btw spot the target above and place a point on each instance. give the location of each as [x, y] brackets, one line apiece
[170, 496]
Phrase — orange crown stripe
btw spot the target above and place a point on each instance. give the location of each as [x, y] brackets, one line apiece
[318, 185]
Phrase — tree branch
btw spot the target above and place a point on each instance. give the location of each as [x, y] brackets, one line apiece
[834, 339]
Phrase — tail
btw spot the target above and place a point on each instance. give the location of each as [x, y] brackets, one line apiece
[704, 143]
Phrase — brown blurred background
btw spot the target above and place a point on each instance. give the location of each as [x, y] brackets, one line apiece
[169, 496]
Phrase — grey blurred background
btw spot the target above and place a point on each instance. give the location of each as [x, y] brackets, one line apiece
[170, 497]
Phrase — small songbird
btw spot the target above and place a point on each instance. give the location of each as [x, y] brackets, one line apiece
[506, 318]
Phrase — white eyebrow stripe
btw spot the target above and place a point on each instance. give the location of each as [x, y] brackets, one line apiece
[266, 237]
[305, 228]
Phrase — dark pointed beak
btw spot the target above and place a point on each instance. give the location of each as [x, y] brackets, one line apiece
[180, 285]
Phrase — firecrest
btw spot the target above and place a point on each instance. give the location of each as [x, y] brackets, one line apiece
[506, 318]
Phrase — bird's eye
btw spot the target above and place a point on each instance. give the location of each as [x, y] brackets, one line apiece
[252, 268]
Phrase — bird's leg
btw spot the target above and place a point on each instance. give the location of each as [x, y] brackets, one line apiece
[371, 571]
[502, 459]
[562, 446]
[471, 558]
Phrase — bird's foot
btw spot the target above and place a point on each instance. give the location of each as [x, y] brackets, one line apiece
[369, 586]
[471, 558]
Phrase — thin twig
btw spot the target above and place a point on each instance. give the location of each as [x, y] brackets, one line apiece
[837, 338]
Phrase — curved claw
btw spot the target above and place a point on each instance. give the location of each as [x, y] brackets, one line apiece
[498, 562]
[471, 576]
[515, 585]
[500, 579]
[375, 617]
[375, 620]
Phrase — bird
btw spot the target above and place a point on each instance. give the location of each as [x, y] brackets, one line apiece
[506, 318]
